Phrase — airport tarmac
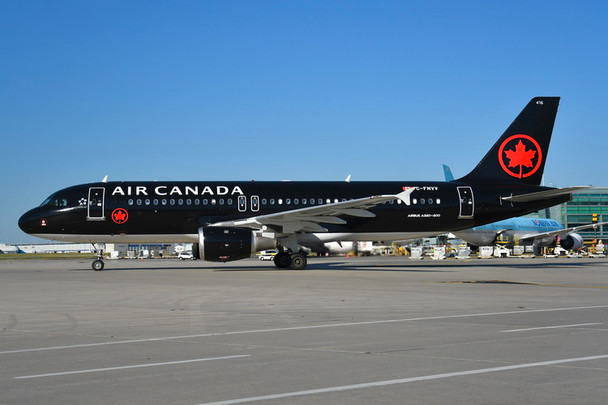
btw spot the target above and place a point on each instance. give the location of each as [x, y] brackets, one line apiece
[379, 330]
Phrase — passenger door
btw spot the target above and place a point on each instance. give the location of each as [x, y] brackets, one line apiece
[95, 206]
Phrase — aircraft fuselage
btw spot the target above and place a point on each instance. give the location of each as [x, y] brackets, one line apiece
[174, 211]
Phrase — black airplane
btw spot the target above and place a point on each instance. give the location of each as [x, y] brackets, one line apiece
[231, 220]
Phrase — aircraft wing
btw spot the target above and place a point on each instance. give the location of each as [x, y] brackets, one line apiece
[561, 232]
[543, 195]
[309, 219]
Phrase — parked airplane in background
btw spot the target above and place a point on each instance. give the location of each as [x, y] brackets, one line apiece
[538, 232]
[526, 231]
[231, 220]
[10, 249]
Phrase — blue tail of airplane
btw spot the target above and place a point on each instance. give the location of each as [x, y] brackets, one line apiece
[447, 173]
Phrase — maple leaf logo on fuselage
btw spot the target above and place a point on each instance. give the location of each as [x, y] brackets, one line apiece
[521, 156]
[120, 216]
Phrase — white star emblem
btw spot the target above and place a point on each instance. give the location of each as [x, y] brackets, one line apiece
[82, 202]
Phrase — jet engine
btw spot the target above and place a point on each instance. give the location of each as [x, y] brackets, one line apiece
[572, 241]
[225, 244]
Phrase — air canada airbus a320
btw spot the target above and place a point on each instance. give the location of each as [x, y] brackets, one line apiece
[231, 220]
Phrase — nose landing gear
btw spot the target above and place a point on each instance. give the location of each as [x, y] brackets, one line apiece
[98, 263]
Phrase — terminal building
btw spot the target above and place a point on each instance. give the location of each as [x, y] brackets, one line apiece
[587, 206]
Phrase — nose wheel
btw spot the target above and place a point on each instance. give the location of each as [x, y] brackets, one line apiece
[97, 264]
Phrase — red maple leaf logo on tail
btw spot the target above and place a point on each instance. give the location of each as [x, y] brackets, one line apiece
[520, 157]
[526, 155]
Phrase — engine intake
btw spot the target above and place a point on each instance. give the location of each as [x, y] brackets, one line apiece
[225, 244]
[572, 241]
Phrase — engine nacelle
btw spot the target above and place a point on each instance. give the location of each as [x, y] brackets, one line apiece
[572, 242]
[225, 244]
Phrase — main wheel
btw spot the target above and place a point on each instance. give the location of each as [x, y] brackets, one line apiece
[298, 261]
[281, 260]
[97, 265]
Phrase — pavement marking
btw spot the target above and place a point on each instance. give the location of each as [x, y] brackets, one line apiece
[552, 327]
[95, 370]
[334, 325]
[521, 283]
[404, 380]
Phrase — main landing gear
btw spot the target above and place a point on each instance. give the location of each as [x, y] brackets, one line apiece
[294, 261]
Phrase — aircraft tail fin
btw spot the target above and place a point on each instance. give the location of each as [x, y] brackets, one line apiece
[520, 153]
[447, 173]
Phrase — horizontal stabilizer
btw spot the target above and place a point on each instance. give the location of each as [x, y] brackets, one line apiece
[543, 195]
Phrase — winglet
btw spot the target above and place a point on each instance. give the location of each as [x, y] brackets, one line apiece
[105, 179]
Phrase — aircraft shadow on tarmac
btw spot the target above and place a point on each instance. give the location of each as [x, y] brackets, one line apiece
[405, 266]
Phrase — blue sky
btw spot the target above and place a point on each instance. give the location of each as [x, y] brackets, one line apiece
[300, 90]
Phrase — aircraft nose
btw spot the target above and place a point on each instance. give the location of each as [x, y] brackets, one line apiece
[29, 221]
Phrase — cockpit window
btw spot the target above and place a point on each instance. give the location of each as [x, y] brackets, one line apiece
[56, 201]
